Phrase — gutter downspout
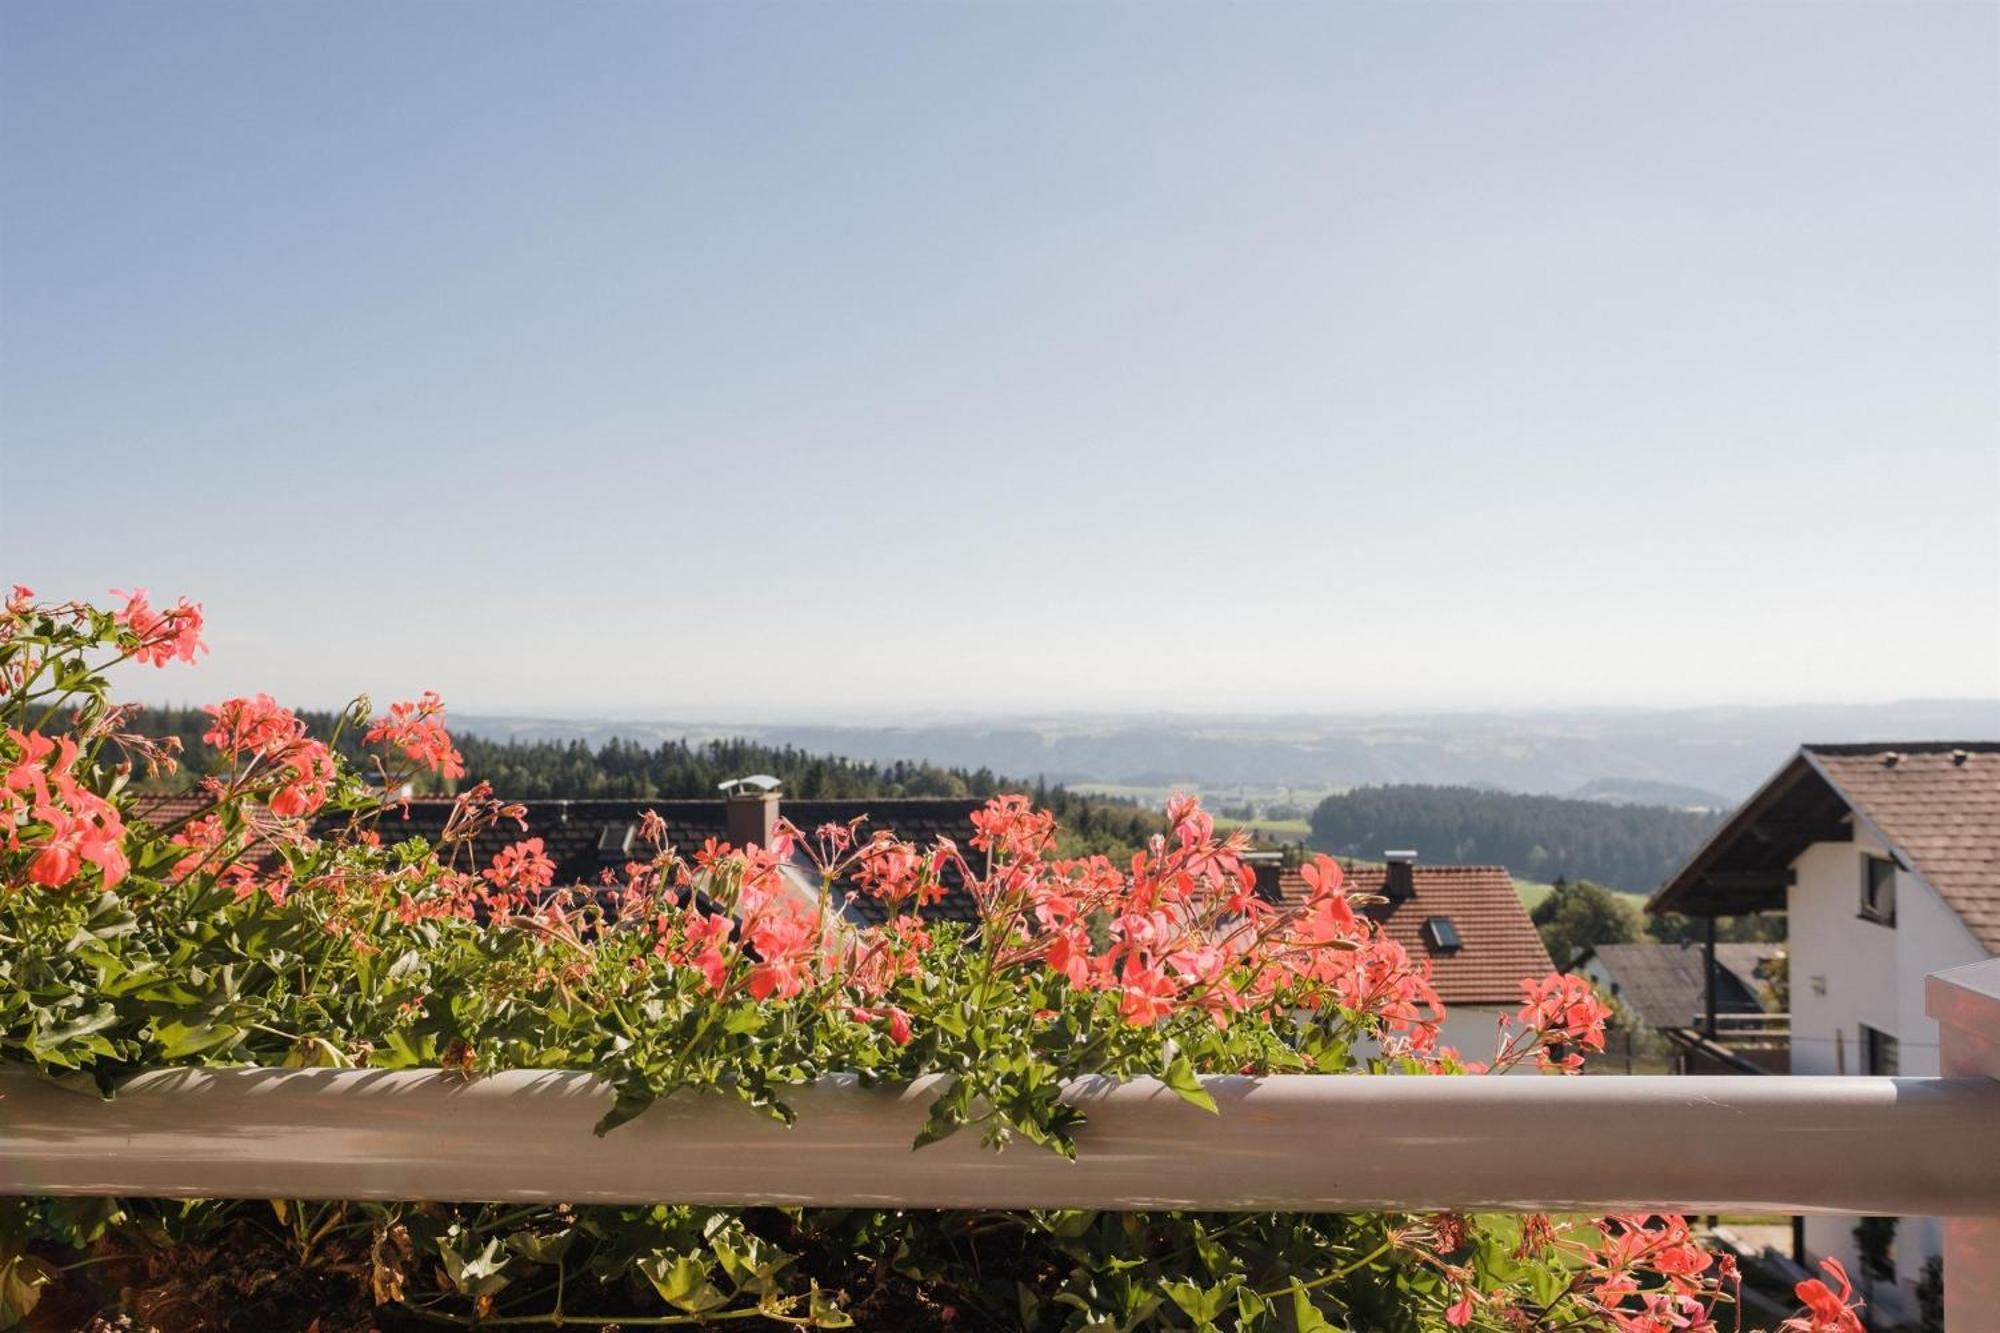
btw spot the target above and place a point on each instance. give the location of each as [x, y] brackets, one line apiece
[1708, 978]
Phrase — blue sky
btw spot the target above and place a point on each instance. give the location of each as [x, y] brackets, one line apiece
[735, 359]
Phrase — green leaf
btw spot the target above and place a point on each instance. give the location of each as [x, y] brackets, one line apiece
[478, 1276]
[410, 1050]
[178, 1038]
[22, 1277]
[682, 1281]
[1070, 1223]
[1305, 1318]
[751, 1262]
[745, 1019]
[824, 1312]
[540, 1249]
[629, 1102]
[948, 1113]
[97, 1020]
[1202, 1304]
[80, 1220]
[1250, 1308]
[1181, 1078]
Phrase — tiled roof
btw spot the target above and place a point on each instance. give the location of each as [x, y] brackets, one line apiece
[1939, 806]
[1499, 944]
[1936, 803]
[1662, 983]
[584, 838]
[160, 811]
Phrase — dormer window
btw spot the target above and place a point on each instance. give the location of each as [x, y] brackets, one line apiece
[1878, 889]
[614, 844]
[1441, 935]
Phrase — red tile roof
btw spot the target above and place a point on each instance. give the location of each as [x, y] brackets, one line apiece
[1500, 948]
[160, 811]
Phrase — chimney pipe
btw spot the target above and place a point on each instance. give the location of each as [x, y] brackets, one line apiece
[1401, 882]
[1268, 867]
[749, 818]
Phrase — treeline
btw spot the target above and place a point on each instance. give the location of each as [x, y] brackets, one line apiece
[622, 769]
[1630, 847]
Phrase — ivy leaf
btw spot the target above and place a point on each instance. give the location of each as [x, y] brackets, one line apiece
[682, 1281]
[1306, 1318]
[824, 1312]
[410, 1050]
[744, 1019]
[540, 1249]
[948, 1114]
[1250, 1308]
[751, 1262]
[1202, 1304]
[1181, 1078]
[1069, 1223]
[98, 1019]
[479, 1275]
[178, 1039]
[22, 1277]
[630, 1101]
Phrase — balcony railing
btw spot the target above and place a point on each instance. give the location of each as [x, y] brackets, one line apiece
[1896, 1146]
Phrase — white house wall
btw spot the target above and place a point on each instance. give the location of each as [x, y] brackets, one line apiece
[1847, 971]
[1473, 1030]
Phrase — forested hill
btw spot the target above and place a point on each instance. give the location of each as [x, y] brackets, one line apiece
[678, 769]
[1632, 847]
[628, 770]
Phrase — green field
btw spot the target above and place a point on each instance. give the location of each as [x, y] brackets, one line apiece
[1275, 830]
[1532, 892]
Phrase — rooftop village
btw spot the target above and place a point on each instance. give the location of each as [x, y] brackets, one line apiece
[1883, 858]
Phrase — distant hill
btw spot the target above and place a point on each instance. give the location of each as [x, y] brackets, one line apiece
[1630, 847]
[1723, 751]
[1642, 791]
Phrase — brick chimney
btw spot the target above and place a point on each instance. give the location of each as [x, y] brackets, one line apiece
[749, 818]
[1401, 881]
[1268, 867]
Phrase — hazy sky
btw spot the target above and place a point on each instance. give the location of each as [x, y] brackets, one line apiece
[730, 358]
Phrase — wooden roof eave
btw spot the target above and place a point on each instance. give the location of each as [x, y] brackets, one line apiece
[1744, 867]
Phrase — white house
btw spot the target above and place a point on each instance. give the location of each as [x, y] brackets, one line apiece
[1886, 860]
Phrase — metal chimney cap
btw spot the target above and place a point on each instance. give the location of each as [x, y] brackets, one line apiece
[1400, 855]
[761, 782]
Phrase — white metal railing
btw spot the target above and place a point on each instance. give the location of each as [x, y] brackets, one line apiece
[1892, 1146]
[1866, 1145]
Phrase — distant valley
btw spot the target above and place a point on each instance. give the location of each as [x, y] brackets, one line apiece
[1687, 758]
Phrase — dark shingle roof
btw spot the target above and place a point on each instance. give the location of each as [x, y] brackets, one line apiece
[584, 838]
[1500, 946]
[1662, 983]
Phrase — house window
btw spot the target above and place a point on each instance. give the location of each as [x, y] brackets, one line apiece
[614, 844]
[1441, 934]
[1878, 889]
[1878, 1052]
